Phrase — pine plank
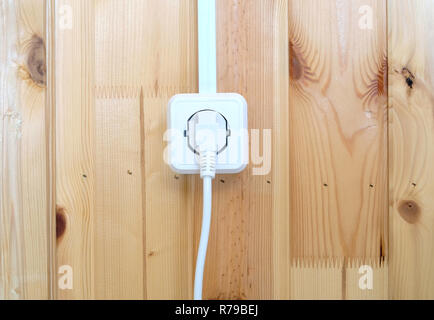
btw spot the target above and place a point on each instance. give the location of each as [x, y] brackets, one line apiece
[338, 137]
[280, 165]
[149, 48]
[119, 263]
[240, 253]
[411, 149]
[75, 143]
[23, 185]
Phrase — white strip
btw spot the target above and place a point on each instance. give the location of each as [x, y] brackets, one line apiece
[207, 46]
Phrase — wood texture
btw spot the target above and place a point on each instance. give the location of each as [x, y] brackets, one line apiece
[50, 131]
[119, 263]
[338, 136]
[23, 188]
[411, 145]
[336, 280]
[127, 222]
[75, 146]
[83, 120]
[240, 253]
[280, 159]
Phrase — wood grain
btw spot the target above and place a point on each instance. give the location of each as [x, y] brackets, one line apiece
[119, 262]
[24, 218]
[172, 55]
[338, 134]
[82, 134]
[240, 253]
[125, 213]
[280, 156]
[50, 131]
[337, 280]
[75, 146]
[338, 131]
[411, 149]
[145, 53]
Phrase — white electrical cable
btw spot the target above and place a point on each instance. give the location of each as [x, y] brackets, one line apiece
[207, 173]
[203, 244]
[207, 53]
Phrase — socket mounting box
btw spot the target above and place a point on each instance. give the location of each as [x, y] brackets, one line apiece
[232, 106]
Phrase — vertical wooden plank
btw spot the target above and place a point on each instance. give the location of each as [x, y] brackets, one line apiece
[240, 253]
[338, 136]
[23, 185]
[148, 47]
[118, 193]
[172, 55]
[75, 170]
[280, 154]
[411, 152]
[50, 132]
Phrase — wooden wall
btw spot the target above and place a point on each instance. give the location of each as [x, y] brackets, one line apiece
[346, 106]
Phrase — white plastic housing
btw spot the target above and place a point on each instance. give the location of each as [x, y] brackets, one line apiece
[232, 106]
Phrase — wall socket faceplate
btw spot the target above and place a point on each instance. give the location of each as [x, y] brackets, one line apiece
[232, 106]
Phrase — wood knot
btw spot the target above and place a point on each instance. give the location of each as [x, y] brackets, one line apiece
[409, 211]
[60, 222]
[36, 63]
[296, 69]
[409, 77]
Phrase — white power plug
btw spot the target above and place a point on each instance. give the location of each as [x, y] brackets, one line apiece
[227, 115]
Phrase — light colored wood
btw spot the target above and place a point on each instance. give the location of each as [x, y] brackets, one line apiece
[50, 132]
[129, 227]
[138, 70]
[411, 149]
[336, 280]
[240, 253]
[125, 227]
[280, 156]
[119, 263]
[23, 185]
[338, 138]
[75, 145]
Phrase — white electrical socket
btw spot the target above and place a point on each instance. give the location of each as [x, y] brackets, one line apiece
[232, 106]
